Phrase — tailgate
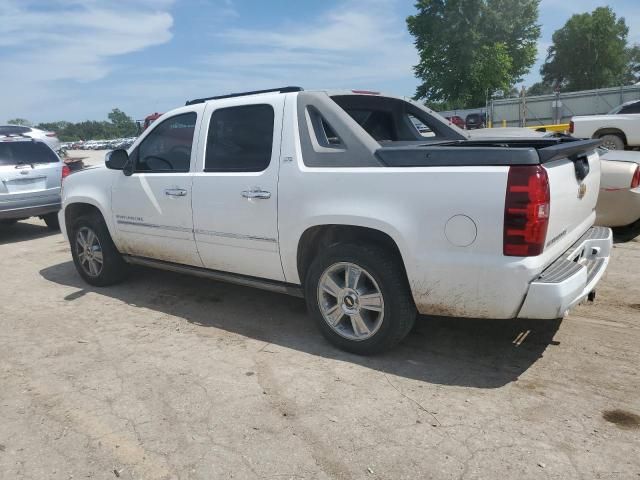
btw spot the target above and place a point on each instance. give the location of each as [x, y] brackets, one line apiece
[574, 181]
[25, 183]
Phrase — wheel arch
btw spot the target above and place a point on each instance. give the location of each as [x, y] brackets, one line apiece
[610, 131]
[76, 208]
[316, 237]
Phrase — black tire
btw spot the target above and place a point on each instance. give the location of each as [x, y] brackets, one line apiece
[399, 308]
[612, 141]
[51, 219]
[114, 269]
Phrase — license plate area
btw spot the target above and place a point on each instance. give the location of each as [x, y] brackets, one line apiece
[22, 185]
[585, 254]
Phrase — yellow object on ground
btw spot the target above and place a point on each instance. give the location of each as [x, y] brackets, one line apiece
[559, 127]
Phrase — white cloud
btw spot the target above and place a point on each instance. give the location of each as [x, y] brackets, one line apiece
[70, 41]
[77, 42]
[347, 44]
[61, 57]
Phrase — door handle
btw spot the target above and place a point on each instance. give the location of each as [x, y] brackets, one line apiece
[175, 192]
[256, 193]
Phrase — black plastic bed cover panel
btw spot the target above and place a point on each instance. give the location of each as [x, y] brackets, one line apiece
[485, 153]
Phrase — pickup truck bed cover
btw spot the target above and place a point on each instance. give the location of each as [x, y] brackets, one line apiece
[483, 153]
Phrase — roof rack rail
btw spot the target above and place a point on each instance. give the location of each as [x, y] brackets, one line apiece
[243, 94]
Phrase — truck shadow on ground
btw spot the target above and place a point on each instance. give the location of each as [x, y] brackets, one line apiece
[23, 231]
[630, 233]
[447, 351]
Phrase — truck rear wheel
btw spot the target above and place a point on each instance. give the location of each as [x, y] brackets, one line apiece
[96, 258]
[359, 298]
[612, 141]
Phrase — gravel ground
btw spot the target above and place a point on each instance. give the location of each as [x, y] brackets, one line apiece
[172, 377]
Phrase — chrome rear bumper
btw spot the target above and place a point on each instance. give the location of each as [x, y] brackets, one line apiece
[570, 279]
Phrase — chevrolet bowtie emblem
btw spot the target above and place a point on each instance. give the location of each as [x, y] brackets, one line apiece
[582, 190]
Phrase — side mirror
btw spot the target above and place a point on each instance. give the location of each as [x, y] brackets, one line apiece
[116, 159]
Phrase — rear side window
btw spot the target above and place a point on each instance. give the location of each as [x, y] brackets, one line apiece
[168, 147]
[240, 139]
[16, 153]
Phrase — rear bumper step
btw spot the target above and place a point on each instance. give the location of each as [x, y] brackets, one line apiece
[571, 278]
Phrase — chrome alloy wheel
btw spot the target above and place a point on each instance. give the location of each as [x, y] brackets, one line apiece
[350, 301]
[89, 251]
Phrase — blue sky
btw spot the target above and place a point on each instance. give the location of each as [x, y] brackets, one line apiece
[78, 59]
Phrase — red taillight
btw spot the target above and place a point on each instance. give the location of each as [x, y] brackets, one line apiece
[571, 126]
[50, 134]
[65, 171]
[635, 181]
[526, 211]
[365, 92]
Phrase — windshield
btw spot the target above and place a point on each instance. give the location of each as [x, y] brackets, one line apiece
[16, 153]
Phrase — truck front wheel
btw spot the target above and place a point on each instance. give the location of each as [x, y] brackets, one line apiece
[360, 298]
[96, 258]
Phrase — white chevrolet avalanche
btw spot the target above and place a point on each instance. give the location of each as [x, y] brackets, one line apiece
[336, 196]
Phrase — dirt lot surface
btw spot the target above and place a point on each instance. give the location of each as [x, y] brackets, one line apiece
[172, 377]
[89, 157]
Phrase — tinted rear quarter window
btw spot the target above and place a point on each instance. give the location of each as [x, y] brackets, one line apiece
[240, 139]
[14, 153]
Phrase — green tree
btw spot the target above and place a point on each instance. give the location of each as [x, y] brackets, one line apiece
[123, 125]
[589, 51]
[472, 48]
[19, 121]
[633, 68]
[119, 125]
[540, 88]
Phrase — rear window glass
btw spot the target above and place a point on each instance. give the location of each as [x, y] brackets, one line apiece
[13, 130]
[15, 153]
[377, 123]
[388, 119]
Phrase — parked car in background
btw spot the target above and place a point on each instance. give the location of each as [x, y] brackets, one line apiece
[30, 180]
[148, 120]
[102, 144]
[50, 138]
[619, 129]
[336, 196]
[619, 200]
[457, 121]
[474, 121]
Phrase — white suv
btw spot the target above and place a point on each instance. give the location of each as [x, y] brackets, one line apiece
[30, 181]
[50, 138]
